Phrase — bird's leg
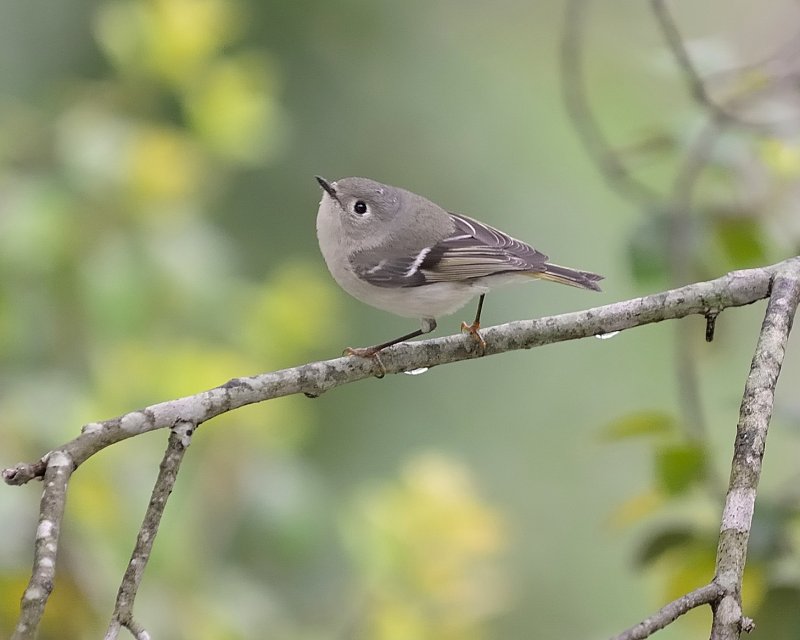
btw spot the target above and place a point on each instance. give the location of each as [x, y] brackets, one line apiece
[428, 325]
[472, 329]
[369, 352]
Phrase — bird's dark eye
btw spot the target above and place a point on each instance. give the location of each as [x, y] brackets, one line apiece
[360, 207]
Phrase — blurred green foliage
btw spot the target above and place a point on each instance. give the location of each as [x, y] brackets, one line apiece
[426, 551]
[156, 239]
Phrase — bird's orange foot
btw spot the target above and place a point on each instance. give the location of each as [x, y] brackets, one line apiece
[367, 352]
[472, 329]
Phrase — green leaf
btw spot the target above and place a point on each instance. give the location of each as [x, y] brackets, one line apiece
[779, 616]
[741, 239]
[678, 466]
[662, 541]
[641, 423]
[769, 533]
[647, 249]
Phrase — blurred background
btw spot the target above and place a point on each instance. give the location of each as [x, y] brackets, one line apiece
[157, 208]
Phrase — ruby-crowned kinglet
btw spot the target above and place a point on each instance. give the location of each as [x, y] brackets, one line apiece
[400, 252]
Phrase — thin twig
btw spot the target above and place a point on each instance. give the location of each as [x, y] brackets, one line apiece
[748, 453]
[576, 101]
[681, 254]
[679, 204]
[697, 85]
[669, 613]
[180, 438]
[784, 53]
[58, 469]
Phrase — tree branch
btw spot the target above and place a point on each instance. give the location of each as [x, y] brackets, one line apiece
[58, 468]
[671, 612]
[681, 256]
[576, 101]
[736, 289]
[724, 592]
[179, 440]
[748, 453]
[696, 84]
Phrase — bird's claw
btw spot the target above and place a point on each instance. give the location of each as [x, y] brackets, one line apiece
[367, 352]
[473, 330]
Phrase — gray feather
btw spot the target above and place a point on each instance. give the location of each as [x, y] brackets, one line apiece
[477, 250]
[393, 271]
[472, 250]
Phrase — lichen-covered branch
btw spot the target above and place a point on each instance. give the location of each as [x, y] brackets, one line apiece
[748, 452]
[57, 470]
[736, 289]
[724, 592]
[671, 612]
[179, 440]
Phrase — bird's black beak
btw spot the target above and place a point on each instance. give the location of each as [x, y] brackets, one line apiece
[328, 187]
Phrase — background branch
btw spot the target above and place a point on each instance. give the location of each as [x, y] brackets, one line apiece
[683, 257]
[697, 85]
[683, 217]
[576, 101]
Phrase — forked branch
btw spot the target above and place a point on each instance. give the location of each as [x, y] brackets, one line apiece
[780, 282]
[723, 593]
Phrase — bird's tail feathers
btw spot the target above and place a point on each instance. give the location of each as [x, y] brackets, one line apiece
[572, 277]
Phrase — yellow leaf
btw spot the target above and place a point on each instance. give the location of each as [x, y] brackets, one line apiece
[427, 545]
[163, 165]
[782, 157]
[232, 107]
[636, 508]
[171, 39]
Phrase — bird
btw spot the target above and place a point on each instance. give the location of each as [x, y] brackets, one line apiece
[402, 253]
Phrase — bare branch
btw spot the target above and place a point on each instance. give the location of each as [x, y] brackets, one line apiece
[179, 440]
[669, 613]
[59, 467]
[681, 252]
[748, 453]
[724, 592]
[736, 289]
[697, 85]
[573, 87]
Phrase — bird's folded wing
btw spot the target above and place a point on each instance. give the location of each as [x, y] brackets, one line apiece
[473, 250]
